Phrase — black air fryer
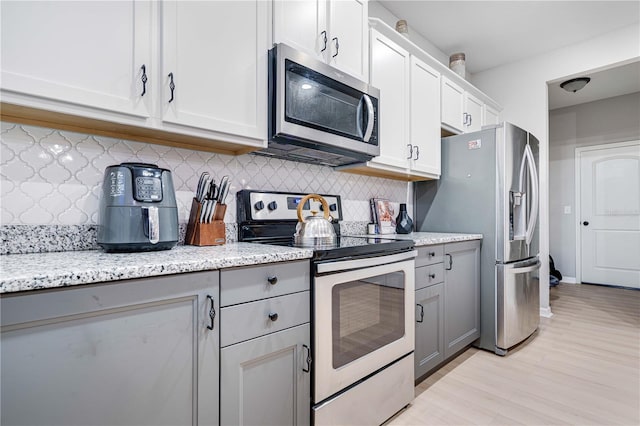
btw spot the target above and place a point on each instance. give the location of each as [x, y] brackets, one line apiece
[138, 210]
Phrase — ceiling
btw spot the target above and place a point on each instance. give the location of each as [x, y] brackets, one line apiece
[495, 33]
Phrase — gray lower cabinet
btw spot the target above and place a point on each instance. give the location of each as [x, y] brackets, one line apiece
[265, 356]
[429, 352]
[447, 302]
[132, 352]
[461, 295]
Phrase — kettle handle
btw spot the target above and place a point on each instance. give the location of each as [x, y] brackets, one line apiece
[325, 205]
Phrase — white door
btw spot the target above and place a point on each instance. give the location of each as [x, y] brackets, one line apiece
[390, 74]
[610, 214]
[81, 53]
[215, 55]
[452, 106]
[348, 47]
[425, 124]
[302, 25]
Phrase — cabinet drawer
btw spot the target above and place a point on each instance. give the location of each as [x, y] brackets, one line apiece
[429, 275]
[239, 285]
[246, 321]
[429, 255]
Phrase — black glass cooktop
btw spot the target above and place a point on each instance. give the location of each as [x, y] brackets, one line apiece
[350, 247]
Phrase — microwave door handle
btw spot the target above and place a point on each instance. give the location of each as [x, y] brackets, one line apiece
[370, 118]
[359, 116]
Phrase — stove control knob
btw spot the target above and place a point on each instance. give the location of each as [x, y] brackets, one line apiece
[272, 205]
[259, 205]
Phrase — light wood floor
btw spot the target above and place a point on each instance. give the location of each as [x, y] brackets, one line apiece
[582, 367]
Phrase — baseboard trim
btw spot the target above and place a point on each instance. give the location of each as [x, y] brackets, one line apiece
[546, 312]
[569, 280]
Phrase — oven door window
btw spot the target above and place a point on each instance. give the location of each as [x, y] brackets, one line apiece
[316, 101]
[367, 314]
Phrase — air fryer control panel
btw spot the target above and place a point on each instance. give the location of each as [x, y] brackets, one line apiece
[147, 185]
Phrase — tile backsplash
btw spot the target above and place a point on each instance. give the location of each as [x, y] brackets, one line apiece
[53, 177]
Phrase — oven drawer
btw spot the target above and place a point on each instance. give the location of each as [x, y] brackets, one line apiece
[239, 285]
[428, 255]
[248, 320]
[429, 275]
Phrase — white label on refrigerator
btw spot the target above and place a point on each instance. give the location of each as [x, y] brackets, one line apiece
[475, 144]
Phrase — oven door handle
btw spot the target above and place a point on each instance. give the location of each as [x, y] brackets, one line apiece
[367, 262]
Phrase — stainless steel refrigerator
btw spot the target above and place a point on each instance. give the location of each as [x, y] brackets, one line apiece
[489, 185]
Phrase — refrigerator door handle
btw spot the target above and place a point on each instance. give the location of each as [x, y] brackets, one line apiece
[526, 269]
[534, 194]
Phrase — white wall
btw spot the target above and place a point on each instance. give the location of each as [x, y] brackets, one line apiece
[521, 88]
[609, 120]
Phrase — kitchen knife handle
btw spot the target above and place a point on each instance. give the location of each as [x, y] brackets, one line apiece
[144, 79]
[308, 359]
[212, 312]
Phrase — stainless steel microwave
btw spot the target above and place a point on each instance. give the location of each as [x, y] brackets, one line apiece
[317, 113]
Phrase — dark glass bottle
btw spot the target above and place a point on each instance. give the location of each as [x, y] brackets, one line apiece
[404, 224]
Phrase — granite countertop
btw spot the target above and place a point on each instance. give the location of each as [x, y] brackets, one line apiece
[19, 272]
[430, 238]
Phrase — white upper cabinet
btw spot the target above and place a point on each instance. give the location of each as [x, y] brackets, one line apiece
[215, 53]
[452, 106]
[390, 74]
[334, 31]
[62, 56]
[490, 115]
[425, 122]
[472, 113]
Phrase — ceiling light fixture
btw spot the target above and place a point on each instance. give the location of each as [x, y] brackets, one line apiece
[575, 84]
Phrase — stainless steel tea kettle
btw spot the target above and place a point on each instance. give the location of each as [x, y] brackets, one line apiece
[314, 231]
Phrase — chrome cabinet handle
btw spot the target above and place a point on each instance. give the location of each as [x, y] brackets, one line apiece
[273, 280]
[212, 312]
[450, 262]
[309, 360]
[337, 47]
[432, 253]
[144, 79]
[172, 86]
[273, 316]
[470, 120]
[324, 39]
[421, 313]
[410, 151]
[432, 276]
[416, 151]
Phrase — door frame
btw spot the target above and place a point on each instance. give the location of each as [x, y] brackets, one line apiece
[578, 213]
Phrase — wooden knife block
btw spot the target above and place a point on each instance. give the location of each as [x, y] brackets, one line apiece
[206, 234]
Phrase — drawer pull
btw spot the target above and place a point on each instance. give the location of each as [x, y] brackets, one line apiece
[308, 360]
[432, 276]
[212, 313]
[421, 313]
[272, 280]
[273, 316]
[432, 253]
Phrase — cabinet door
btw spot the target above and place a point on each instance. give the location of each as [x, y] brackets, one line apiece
[425, 122]
[462, 295]
[452, 106]
[473, 109]
[348, 47]
[264, 382]
[390, 74]
[214, 52]
[78, 54]
[300, 24]
[129, 353]
[429, 329]
[490, 115]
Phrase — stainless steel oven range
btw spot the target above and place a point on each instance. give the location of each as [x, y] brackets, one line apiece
[362, 311]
